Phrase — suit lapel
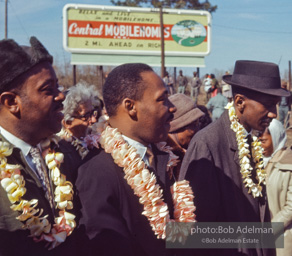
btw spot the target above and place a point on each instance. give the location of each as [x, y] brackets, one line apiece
[161, 160]
[261, 202]
[231, 138]
[30, 177]
[18, 157]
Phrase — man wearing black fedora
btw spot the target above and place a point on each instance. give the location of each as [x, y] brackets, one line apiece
[223, 161]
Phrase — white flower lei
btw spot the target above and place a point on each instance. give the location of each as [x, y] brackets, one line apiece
[75, 142]
[145, 186]
[244, 155]
[14, 184]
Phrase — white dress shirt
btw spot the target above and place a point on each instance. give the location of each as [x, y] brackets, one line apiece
[22, 145]
[141, 149]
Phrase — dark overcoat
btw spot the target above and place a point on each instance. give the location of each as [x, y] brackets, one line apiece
[14, 240]
[211, 164]
[112, 214]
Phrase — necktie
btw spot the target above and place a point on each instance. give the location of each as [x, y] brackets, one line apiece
[150, 157]
[42, 173]
[249, 139]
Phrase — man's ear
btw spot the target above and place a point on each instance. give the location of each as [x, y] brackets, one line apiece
[130, 107]
[10, 101]
[240, 102]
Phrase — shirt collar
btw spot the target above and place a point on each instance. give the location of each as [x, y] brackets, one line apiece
[246, 133]
[141, 149]
[22, 145]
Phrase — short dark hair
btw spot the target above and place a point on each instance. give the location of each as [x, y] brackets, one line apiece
[124, 81]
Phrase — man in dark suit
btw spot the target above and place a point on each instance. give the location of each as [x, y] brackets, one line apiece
[213, 161]
[136, 101]
[30, 112]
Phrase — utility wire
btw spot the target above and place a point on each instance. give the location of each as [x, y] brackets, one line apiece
[19, 21]
[252, 30]
[223, 11]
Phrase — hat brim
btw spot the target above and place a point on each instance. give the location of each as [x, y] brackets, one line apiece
[186, 119]
[275, 92]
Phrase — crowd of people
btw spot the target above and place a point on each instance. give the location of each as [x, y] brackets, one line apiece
[89, 174]
[215, 94]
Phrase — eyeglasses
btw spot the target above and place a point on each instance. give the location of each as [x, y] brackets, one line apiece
[87, 116]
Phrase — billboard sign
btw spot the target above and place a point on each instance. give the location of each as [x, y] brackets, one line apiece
[128, 30]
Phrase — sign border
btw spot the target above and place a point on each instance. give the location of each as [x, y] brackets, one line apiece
[133, 9]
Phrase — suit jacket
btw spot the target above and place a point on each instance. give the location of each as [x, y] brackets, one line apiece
[14, 240]
[211, 164]
[72, 159]
[112, 214]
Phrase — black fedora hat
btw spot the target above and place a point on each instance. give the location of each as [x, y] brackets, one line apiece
[257, 76]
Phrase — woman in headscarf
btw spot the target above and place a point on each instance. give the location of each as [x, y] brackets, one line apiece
[278, 165]
[273, 140]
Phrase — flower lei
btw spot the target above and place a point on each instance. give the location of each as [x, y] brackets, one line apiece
[83, 151]
[14, 184]
[145, 186]
[244, 155]
[91, 140]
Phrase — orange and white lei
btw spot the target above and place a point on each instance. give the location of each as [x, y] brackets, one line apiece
[14, 184]
[244, 155]
[145, 186]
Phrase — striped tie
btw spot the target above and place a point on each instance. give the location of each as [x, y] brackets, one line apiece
[42, 173]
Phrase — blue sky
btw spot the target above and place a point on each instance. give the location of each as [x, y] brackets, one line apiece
[245, 29]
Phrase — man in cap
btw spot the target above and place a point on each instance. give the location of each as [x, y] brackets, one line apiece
[183, 126]
[109, 185]
[34, 196]
[223, 166]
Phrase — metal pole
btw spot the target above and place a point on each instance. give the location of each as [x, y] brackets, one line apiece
[289, 85]
[74, 74]
[174, 79]
[6, 18]
[162, 42]
[101, 73]
[198, 72]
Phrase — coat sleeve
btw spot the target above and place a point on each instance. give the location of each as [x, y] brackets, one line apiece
[199, 168]
[99, 192]
[209, 105]
[285, 215]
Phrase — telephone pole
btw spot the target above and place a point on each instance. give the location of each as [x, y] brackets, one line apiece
[162, 42]
[6, 18]
[289, 78]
